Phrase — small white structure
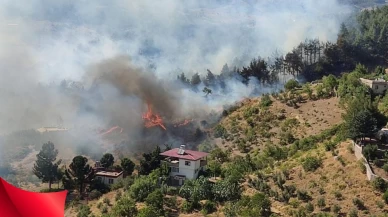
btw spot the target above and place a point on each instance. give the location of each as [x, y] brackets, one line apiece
[378, 86]
[109, 177]
[184, 164]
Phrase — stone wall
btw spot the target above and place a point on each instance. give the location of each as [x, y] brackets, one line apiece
[370, 175]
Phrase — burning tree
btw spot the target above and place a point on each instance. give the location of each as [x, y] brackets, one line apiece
[152, 119]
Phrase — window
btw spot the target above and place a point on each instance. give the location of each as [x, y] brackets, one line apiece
[377, 87]
[110, 181]
[175, 169]
[99, 178]
[187, 163]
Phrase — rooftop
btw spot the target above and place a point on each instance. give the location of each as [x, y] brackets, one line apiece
[109, 174]
[187, 154]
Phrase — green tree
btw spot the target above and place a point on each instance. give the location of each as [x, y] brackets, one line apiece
[125, 207]
[83, 211]
[363, 124]
[307, 89]
[79, 173]
[142, 187]
[156, 200]
[128, 166]
[45, 167]
[260, 205]
[207, 91]
[148, 212]
[370, 152]
[195, 79]
[330, 83]
[150, 161]
[291, 85]
[107, 160]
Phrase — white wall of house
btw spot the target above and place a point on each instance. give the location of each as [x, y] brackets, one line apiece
[379, 88]
[109, 180]
[190, 171]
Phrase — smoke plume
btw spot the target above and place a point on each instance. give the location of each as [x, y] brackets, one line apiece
[121, 54]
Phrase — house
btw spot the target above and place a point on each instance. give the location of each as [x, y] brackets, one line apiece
[107, 176]
[184, 164]
[378, 86]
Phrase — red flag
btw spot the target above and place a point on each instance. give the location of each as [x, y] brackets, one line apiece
[15, 202]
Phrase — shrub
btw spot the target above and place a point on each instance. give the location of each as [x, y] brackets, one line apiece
[106, 201]
[104, 209]
[208, 207]
[83, 211]
[379, 184]
[303, 195]
[380, 204]
[124, 207]
[118, 195]
[321, 202]
[385, 167]
[220, 131]
[362, 166]
[189, 206]
[385, 197]
[310, 207]
[265, 100]
[141, 188]
[291, 84]
[353, 213]
[336, 209]
[94, 195]
[155, 199]
[311, 164]
[148, 212]
[370, 151]
[338, 195]
[359, 203]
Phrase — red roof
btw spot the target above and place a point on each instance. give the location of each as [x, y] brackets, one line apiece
[188, 155]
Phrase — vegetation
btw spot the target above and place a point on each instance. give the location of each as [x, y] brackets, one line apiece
[45, 167]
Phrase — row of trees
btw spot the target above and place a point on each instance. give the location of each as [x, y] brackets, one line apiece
[79, 172]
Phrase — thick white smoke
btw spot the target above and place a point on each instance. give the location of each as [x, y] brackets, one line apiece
[44, 42]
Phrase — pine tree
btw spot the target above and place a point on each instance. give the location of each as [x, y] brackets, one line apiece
[45, 167]
[78, 174]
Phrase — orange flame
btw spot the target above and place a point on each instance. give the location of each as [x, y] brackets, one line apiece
[185, 122]
[111, 130]
[152, 120]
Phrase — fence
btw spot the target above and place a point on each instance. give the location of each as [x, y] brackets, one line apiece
[369, 171]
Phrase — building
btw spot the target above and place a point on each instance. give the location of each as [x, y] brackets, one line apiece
[184, 164]
[378, 86]
[107, 176]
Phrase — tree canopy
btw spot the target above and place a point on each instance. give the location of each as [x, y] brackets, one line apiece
[45, 167]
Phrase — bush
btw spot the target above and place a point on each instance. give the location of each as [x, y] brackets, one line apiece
[310, 207]
[94, 195]
[220, 131]
[124, 207]
[336, 209]
[208, 207]
[370, 151]
[311, 164]
[385, 167]
[359, 203]
[321, 202]
[385, 197]
[141, 188]
[106, 201]
[155, 199]
[353, 213]
[148, 212]
[338, 195]
[303, 195]
[188, 206]
[83, 211]
[379, 184]
[291, 84]
[265, 100]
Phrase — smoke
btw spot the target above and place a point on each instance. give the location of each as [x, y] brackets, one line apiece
[44, 42]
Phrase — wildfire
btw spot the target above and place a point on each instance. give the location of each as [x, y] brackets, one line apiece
[151, 119]
[111, 130]
[185, 122]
